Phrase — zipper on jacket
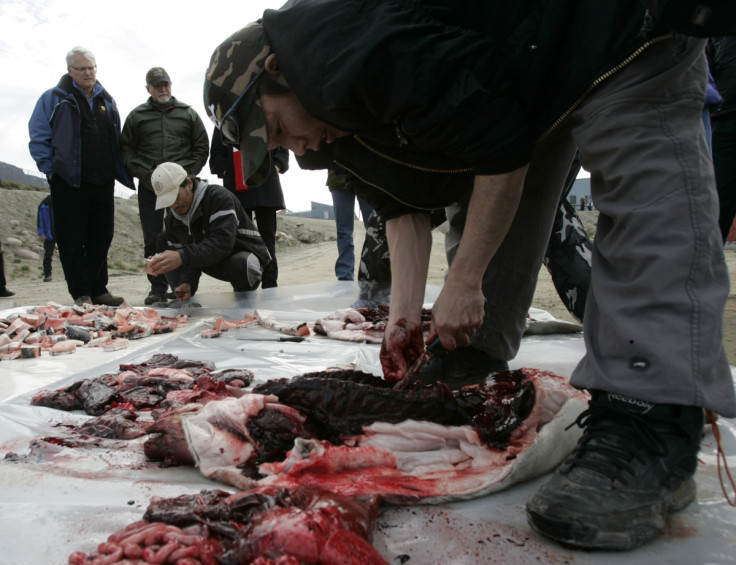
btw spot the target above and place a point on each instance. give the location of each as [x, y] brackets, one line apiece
[399, 133]
[600, 79]
[386, 192]
[408, 165]
[557, 122]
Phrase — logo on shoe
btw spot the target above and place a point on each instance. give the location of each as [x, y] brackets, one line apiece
[646, 406]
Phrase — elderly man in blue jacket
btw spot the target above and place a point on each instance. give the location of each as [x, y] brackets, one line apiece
[75, 138]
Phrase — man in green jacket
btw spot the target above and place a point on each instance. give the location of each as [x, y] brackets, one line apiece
[159, 130]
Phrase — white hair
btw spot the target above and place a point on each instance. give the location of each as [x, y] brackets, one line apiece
[86, 53]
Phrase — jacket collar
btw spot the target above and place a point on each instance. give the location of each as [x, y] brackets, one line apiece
[198, 194]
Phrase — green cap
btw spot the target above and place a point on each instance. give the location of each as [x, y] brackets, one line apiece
[235, 63]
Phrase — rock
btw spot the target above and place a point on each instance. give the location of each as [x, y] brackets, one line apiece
[26, 254]
[13, 241]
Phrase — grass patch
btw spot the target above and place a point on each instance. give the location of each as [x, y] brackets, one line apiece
[123, 266]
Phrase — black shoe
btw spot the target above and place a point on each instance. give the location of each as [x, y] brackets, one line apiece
[170, 296]
[5, 293]
[47, 278]
[633, 465]
[462, 367]
[154, 297]
[108, 299]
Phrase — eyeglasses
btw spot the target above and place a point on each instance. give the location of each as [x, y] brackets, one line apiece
[80, 69]
[229, 124]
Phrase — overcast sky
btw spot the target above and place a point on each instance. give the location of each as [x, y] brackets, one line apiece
[127, 39]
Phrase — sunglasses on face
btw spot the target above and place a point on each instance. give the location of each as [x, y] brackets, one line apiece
[229, 128]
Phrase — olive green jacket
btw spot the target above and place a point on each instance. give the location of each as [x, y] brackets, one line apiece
[152, 136]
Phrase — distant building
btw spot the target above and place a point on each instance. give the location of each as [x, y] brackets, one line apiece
[319, 211]
[581, 187]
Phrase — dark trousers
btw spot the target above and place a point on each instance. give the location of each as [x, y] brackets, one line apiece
[266, 221]
[48, 252]
[3, 282]
[242, 270]
[152, 224]
[85, 222]
[724, 163]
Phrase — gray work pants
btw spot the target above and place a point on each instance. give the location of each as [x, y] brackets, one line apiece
[654, 313]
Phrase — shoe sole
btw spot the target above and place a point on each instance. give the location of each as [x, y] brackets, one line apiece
[642, 530]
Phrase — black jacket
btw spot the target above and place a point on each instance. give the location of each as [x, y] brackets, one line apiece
[722, 60]
[448, 84]
[215, 228]
[266, 195]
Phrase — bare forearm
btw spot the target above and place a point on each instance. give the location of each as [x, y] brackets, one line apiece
[459, 309]
[492, 207]
[409, 242]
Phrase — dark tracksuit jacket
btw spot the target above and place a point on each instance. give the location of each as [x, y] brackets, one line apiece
[216, 227]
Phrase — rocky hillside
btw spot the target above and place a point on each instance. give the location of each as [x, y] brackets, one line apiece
[23, 251]
[12, 174]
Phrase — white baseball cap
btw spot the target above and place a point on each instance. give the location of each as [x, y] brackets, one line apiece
[166, 180]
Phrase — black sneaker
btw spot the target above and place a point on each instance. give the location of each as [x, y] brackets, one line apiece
[462, 367]
[633, 465]
[154, 297]
[47, 278]
[108, 299]
[5, 293]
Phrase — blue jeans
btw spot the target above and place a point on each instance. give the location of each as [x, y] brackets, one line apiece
[344, 205]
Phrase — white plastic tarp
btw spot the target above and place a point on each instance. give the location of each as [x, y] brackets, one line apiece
[61, 499]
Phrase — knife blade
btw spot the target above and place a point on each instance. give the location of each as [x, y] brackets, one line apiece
[291, 338]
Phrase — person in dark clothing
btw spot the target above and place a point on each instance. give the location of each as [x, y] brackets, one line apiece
[75, 138]
[570, 252]
[159, 130]
[721, 53]
[262, 201]
[45, 229]
[206, 231]
[434, 100]
[343, 203]
[4, 292]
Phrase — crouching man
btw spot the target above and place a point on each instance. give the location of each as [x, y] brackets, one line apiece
[206, 231]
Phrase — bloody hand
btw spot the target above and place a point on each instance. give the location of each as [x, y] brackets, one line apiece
[401, 347]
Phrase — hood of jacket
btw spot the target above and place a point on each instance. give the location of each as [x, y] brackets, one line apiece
[200, 187]
[508, 70]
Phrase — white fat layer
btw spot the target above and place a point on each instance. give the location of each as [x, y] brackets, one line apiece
[215, 435]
